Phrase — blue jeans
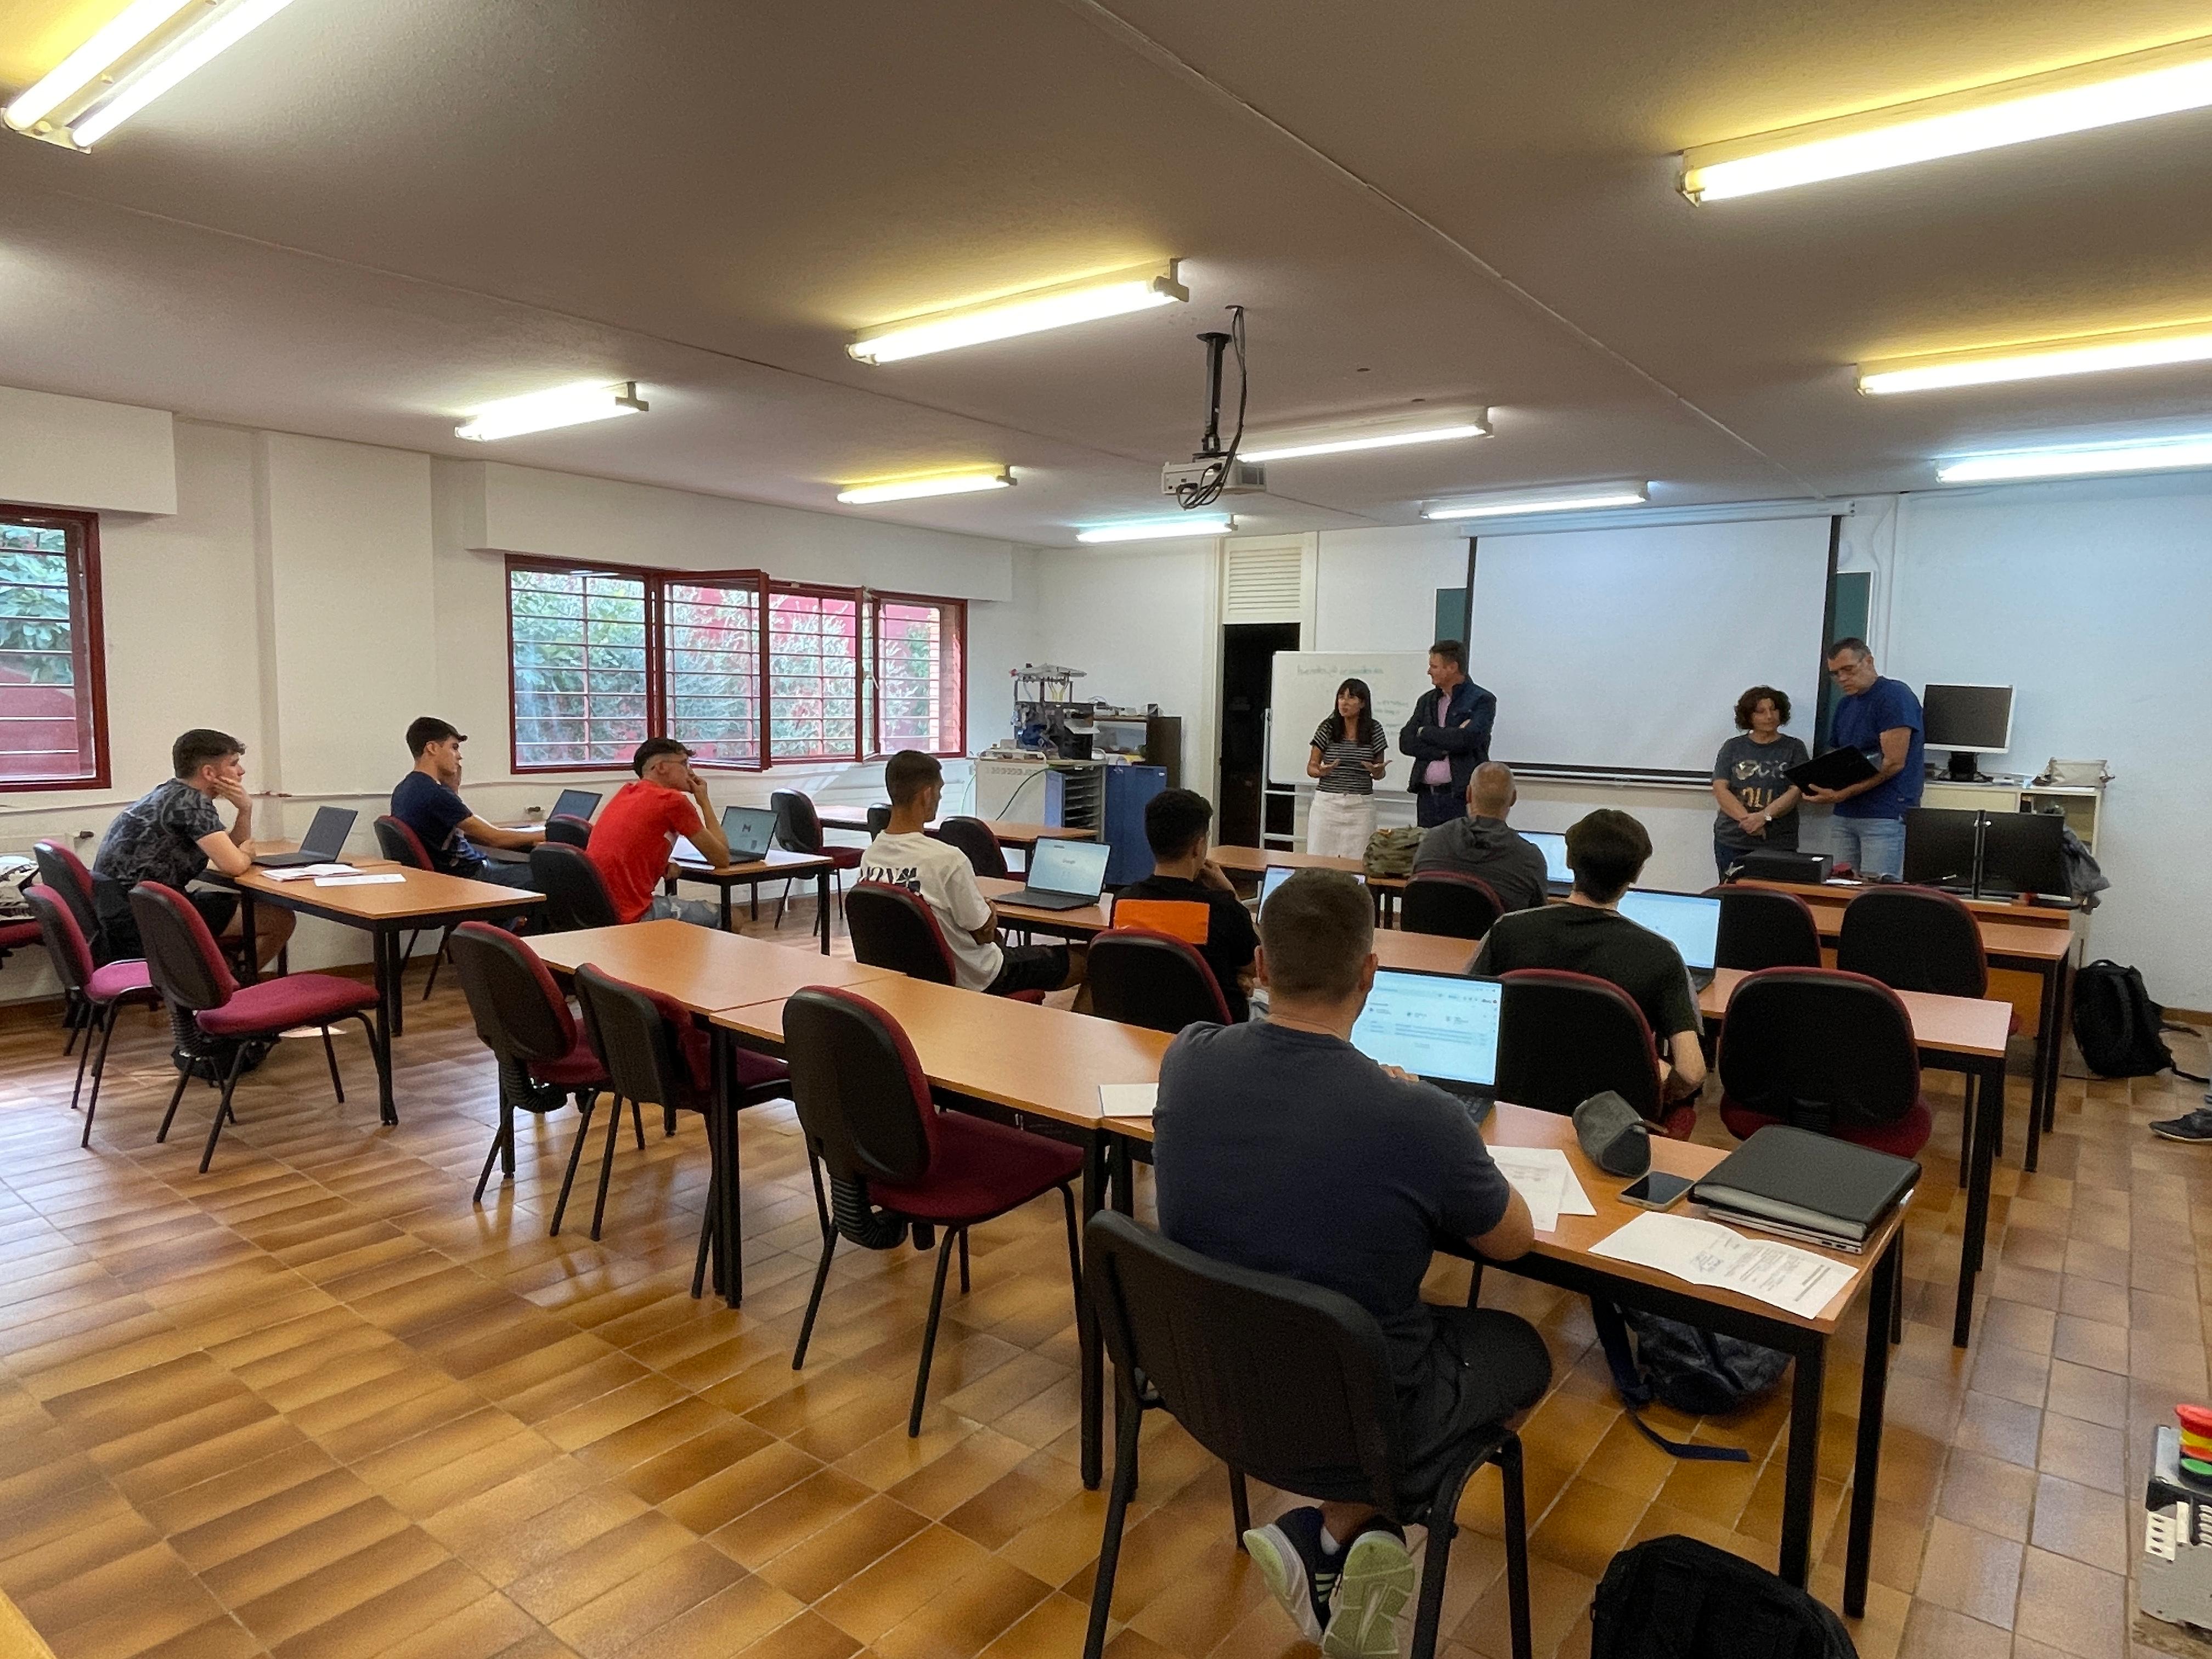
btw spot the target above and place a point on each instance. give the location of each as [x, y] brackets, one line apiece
[1872, 846]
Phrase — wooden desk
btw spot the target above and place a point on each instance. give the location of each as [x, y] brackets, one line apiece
[774, 865]
[1012, 832]
[1432, 953]
[1077, 924]
[1255, 861]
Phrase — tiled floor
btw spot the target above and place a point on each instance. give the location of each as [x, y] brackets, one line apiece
[317, 1403]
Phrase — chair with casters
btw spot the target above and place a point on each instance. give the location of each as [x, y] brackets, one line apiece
[103, 989]
[1288, 1383]
[1446, 902]
[576, 897]
[656, 1052]
[893, 927]
[1141, 977]
[891, 1160]
[1825, 1050]
[216, 1018]
[978, 842]
[569, 830]
[798, 829]
[1562, 1037]
[1764, 927]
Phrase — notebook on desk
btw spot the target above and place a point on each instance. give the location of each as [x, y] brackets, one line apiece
[1691, 921]
[324, 840]
[1064, 875]
[1442, 1028]
[1791, 1181]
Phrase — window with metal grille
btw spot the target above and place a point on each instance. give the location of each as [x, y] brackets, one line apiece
[711, 645]
[919, 653]
[53, 704]
[814, 673]
[582, 665]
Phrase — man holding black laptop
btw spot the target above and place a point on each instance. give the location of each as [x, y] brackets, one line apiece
[1281, 1147]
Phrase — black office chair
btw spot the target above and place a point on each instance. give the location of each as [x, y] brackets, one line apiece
[1562, 1037]
[1138, 977]
[798, 829]
[1914, 938]
[567, 830]
[1763, 928]
[1284, 1382]
[574, 896]
[1826, 1051]
[878, 820]
[978, 840]
[1450, 904]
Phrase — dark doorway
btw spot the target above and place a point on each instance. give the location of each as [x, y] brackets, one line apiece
[1248, 652]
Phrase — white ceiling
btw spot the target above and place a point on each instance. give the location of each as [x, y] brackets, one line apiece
[369, 217]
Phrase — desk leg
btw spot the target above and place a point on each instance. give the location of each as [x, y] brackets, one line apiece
[246, 918]
[1090, 1350]
[384, 949]
[2044, 1088]
[722, 1149]
[1988, 1111]
[1873, 1391]
[2062, 1002]
[822, 906]
[1804, 1468]
[724, 887]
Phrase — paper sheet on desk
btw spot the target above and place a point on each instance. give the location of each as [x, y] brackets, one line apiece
[1706, 1253]
[1545, 1181]
[358, 881]
[1128, 1099]
[308, 872]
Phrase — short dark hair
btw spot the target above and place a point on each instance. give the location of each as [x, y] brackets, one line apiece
[422, 734]
[1607, 851]
[1174, 819]
[1851, 644]
[909, 772]
[200, 745]
[1452, 651]
[1748, 703]
[1317, 931]
[652, 750]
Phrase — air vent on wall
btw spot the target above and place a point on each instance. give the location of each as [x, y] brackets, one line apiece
[1266, 579]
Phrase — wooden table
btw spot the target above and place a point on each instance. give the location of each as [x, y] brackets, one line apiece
[1256, 862]
[774, 865]
[1431, 953]
[1012, 832]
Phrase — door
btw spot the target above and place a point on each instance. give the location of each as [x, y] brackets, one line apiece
[1248, 655]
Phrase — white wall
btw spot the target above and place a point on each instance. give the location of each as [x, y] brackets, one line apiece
[71, 452]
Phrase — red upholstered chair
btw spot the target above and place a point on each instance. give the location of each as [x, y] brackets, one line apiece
[568, 828]
[187, 969]
[1446, 902]
[1764, 927]
[978, 840]
[1139, 977]
[893, 927]
[397, 840]
[798, 829]
[893, 1160]
[1827, 1051]
[102, 989]
[64, 872]
[1562, 1037]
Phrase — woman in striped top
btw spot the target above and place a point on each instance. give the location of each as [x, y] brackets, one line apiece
[1348, 755]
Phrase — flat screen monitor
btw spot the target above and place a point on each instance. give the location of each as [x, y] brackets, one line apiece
[1554, 845]
[2024, 852]
[1277, 875]
[1069, 867]
[1691, 920]
[1443, 1027]
[1939, 845]
[1967, 719]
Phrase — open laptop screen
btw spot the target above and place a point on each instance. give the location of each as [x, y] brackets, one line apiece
[1434, 1025]
[327, 835]
[1277, 875]
[1692, 920]
[749, 829]
[1069, 867]
[575, 804]
[1553, 847]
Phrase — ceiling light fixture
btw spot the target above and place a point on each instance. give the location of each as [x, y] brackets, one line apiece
[2163, 455]
[542, 411]
[1419, 426]
[1160, 530]
[2105, 92]
[940, 483]
[1556, 498]
[143, 52]
[2087, 354]
[1139, 288]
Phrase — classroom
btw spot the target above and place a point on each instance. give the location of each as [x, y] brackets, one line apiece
[1102, 828]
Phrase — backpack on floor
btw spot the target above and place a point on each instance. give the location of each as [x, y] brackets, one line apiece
[1699, 1372]
[2117, 1023]
[1678, 1598]
[1390, 852]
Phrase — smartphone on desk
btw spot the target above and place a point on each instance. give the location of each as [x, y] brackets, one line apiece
[1657, 1190]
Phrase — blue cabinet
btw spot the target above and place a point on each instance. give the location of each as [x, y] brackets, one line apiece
[1128, 790]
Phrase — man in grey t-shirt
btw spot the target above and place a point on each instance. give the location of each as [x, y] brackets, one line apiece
[1481, 845]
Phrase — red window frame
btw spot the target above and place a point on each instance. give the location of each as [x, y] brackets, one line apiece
[87, 650]
[653, 701]
[952, 722]
[756, 584]
[859, 600]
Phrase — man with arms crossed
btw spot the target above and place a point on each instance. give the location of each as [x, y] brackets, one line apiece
[1880, 717]
[1448, 735]
[637, 831]
[428, 802]
[1280, 1147]
[1481, 845]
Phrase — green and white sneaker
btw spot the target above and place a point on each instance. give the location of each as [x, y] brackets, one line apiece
[1375, 1582]
[1288, 1553]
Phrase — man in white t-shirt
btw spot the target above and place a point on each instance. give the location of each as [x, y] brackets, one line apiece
[906, 855]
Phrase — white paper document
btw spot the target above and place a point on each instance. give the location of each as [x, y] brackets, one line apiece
[359, 881]
[309, 872]
[1706, 1253]
[1545, 1181]
[1128, 1099]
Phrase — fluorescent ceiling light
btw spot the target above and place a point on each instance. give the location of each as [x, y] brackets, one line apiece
[1160, 530]
[2165, 455]
[1139, 288]
[1557, 498]
[148, 47]
[2091, 354]
[542, 411]
[2159, 82]
[1423, 426]
[941, 483]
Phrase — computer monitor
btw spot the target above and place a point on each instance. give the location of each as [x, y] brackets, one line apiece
[1554, 845]
[1277, 875]
[1692, 920]
[1441, 1027]
[750, 830]
[1069, 867]
[1968, 720]
[575, 804]
[1940, 845]
[2024, 852]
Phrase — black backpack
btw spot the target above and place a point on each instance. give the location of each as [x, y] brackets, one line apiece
[1699, 1372]
[1677, 1598]
[2117, 1023]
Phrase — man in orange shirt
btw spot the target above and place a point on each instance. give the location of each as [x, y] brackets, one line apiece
[636, 830]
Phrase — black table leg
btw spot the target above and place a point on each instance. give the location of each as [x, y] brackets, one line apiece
[1874, 1389]
[822, 904]
[385, 950]
[2061, 980]
[722, 1149]
[1804, 1468]
[2045, 1085]
[1091, 1350]
[245, 930]
[1989, 1112]
[725, 887]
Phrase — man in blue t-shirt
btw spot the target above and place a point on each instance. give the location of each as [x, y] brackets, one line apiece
[426, 801]
[1881, 719]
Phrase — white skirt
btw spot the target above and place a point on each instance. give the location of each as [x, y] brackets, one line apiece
[1338, 825]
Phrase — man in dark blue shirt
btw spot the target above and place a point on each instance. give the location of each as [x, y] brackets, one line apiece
[1448, 737]
[428, 802]
[1880, 717]
[1280, 1147]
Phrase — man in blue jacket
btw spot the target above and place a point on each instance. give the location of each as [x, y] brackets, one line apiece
[1448, 737]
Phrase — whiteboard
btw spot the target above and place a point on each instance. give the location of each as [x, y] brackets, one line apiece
[1304, 694]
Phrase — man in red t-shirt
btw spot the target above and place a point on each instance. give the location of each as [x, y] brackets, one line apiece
[636, 830]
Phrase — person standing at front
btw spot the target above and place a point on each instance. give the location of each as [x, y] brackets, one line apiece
[1348, 755]
[1448, 737]
[1880, 718]
[1751, 784]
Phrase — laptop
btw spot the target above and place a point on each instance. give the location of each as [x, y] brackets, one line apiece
[1558, 879]
[1064, 875]
[1442, 1028]
[575, 804]
[1277, 875]
[324, 840]
[749, 831]
[1692, 920]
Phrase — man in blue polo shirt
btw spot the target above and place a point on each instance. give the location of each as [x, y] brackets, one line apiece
[1880, 718]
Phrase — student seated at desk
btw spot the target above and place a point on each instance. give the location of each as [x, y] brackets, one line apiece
[1280, 1147]
[636, 831]
[1480, 844]
[1589, 935]
[427, 801]
[1178, 823]
[172, 833]
[905, 855]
